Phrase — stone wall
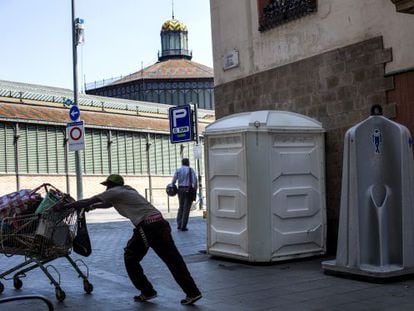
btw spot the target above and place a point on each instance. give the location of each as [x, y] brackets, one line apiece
[336, 88]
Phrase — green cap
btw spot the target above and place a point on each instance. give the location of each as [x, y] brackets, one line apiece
[115, 179]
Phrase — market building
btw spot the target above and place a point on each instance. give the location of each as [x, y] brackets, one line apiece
[328, 59]
[126, 137]
[174, 80]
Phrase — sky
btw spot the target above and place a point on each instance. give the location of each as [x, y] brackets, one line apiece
[120, 37]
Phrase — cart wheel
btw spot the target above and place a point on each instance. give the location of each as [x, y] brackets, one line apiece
[88, 287]
[1, 287]
[60, 294]
[17, 283]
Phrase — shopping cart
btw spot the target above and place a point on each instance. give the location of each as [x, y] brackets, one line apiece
[41, 237]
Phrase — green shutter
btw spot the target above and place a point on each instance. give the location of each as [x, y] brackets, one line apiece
[32, 156]
[139, 153]
[114, 153]
[166, 155]
[42, 150]
[144, 156]
[60, 147]
[2, 147]
[96, 145]
[130, 154]
[7, 149]
[105, 156]
[51, 150]
[152, 152]
[121, 153]
[22, 145]
[10, 149]
[88, 153]
[174, 157]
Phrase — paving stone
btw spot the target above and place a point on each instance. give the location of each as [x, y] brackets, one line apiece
[227, 285]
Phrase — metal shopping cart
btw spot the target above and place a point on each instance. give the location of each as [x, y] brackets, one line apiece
[41, 237]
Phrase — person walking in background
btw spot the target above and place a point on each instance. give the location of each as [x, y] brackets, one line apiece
[186, 178]
[151, 230]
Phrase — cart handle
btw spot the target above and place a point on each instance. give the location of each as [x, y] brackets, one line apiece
[47, 187]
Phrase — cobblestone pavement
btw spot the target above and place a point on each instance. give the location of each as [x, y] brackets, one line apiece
[226, 285]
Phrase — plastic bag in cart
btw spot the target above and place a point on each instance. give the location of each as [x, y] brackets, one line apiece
[50, 199]
[18, 203]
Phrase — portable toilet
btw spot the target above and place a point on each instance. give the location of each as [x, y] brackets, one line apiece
[376, 223]
[265, 186]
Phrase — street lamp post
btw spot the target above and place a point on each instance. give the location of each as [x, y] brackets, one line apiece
[75, 42]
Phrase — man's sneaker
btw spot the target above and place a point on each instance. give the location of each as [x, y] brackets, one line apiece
[190, 300]
[142, 297]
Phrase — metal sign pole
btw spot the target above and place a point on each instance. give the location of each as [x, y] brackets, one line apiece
[78, 162]
[200, 186]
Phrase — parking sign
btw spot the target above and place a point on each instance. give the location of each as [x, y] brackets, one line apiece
[181, 124]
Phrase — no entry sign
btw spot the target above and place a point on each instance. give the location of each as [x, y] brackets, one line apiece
[76, 138]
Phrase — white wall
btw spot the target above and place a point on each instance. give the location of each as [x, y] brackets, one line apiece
[337, 23]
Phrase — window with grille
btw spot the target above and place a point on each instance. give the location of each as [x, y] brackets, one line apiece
[273, 13]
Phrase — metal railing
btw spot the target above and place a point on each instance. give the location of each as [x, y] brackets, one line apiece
[160, 196]
[101, 83]
[174, 52]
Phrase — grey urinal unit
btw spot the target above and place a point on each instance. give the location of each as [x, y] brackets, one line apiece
[376, 238]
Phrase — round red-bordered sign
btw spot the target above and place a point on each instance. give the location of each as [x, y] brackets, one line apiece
[75, 133]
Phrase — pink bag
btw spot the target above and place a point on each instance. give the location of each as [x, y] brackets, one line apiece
[18, 203]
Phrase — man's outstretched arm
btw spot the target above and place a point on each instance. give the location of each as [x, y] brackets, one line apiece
[88, 204]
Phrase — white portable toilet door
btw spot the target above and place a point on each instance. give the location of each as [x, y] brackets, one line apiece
[297, 198]
[227, 205]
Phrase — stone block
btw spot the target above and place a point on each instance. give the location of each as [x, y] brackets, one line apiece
[359, 75]
[378, 98]
[328, 97]
[346, 92]
[360, 62]
[332, 82]
[332, 58]
[374, 85]
[383, 56]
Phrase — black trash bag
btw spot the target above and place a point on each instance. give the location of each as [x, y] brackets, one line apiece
[82, 243]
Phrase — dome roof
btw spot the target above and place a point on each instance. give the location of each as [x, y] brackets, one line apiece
[173, 25]
[170, 69]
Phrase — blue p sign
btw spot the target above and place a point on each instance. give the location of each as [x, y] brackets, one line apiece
[181, 125]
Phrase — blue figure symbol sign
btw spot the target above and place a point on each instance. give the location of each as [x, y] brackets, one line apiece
[377, 140]
[181, 124]
[74, 113]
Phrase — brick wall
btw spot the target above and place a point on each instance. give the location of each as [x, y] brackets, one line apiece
[336, 88]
